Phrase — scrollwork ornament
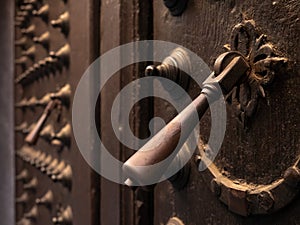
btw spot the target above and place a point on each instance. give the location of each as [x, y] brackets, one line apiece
[265, 62]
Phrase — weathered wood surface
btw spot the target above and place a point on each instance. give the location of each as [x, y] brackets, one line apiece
[260, 154]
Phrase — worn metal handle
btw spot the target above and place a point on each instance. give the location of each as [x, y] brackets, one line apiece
[229, 69]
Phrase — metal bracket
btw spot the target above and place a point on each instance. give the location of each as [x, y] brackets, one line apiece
[241, 197]
[264, 61]
[249, 199]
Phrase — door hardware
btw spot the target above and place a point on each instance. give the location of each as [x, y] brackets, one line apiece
[43, 163]
[29, 128]
[63, 137]
[265, 62]
[62, 23]
[56, 170]
[175, 221]
[47, 133]
[22, 104]
[21, 22]
[28, 7]
[30, 53]
[59, 139]
[51, 166]
[23, 176]
[31, 185]
[50, 64]
[43, 40]
[64, 177]
[35, 3]
[31, 103]
[29, 31]
[62, 54]
[44, 100]
[64, 217]
[20, 128]
[22, 42]
[63, 95]
[241, 197]
[24, 221]
[32, 214]
[46, 200]
[57, 99]
[32, 137]
[27, 153]
[230, 68]
[21, 61]
[23, 199]
[169, 68]
[42, 12]
[36, 158]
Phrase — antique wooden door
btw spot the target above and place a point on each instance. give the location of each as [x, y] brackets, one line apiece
[262, 135]
[255, 177]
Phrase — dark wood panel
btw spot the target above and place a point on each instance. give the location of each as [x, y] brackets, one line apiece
[83, 196]
[259, 155]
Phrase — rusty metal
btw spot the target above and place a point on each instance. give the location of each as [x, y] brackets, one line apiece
[176, 7]
[165, 141]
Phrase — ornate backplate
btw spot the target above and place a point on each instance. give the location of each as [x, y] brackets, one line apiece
[242, 197]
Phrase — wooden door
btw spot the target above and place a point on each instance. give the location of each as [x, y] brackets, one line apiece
[259, 146]
[255, 177]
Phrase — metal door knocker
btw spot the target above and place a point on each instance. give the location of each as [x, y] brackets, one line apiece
[241, 197]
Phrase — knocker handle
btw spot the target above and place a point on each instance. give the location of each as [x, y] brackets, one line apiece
[230, 68]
